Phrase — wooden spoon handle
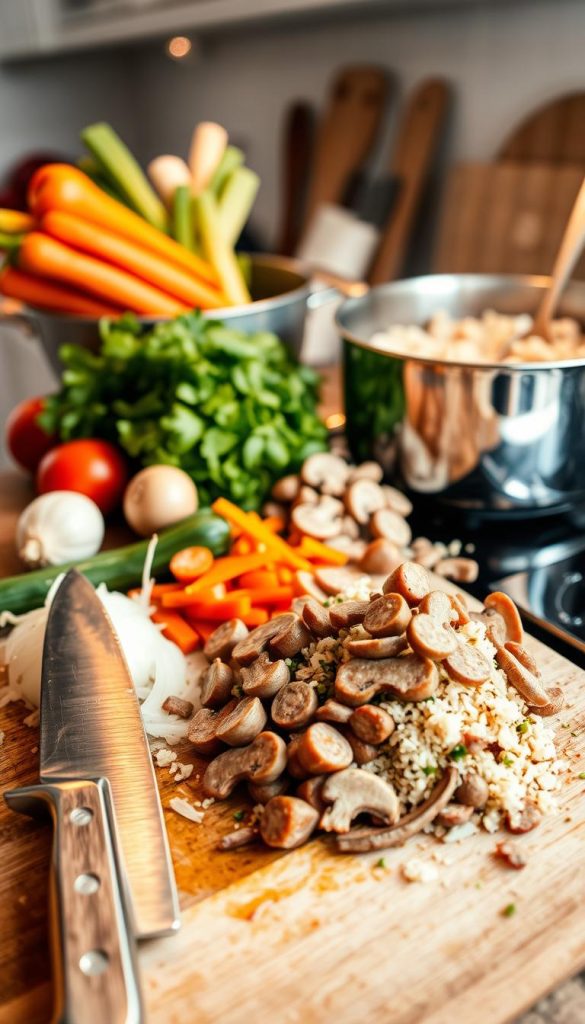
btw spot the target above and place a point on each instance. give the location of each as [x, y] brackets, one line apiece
[569, 251]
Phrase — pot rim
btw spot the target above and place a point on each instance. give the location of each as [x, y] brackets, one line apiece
[532, 280]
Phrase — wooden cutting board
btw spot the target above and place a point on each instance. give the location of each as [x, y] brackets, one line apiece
[312, 935]
[505, 217]
[554, 133]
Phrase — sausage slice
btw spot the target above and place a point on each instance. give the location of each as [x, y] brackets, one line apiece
[468, 666]
[264, 678]
[407, 678]
[348, 613]
[430, 637]
[217, 684]
[372, 724]
[223, 640]
[376, 648]
[505, 607]
[387, 616]
[287, 822]
[411, 581]
[322, 749]
[263, 761]
[243, 724]
[247, 650]
[294, 705]
[316, 618]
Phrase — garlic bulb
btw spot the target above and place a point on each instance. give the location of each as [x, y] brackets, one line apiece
[59, 527]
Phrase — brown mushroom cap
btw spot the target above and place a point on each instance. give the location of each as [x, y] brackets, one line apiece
[454, 814]
[327, 473]
[320, 521]
[294, 705]
[222, 641]
[362, 498]
[264, 678]
[391, 526]
[380, 557]
[473, 791]
[287, 488]
[287, 822]
[407, 677]
[352, 792]
[463, 570]
[397, 501]
[367, 471]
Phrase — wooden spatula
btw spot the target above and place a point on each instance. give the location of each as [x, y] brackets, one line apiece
[570, 248]
[411, 161]
[346, 133]
[297, 148]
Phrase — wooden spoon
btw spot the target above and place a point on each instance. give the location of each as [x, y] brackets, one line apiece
[570, 248]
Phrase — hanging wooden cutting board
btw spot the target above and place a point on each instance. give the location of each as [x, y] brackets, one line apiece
[554, 133]
[297, 148]
[505, 217]
[346, 133]
[410, 164]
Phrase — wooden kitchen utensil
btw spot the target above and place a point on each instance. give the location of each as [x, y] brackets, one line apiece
[410, 163]
[555, 133]
[570, 249]
[297, 148]
[346, 133]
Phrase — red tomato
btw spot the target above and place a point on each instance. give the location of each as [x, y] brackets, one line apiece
[94, 468]
[25, 440]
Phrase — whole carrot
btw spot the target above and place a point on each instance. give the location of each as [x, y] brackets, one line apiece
[62, 187]
[40, 254]
[105, 245]
[37, 292]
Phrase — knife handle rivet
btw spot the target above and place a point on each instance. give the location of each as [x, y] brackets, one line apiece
[94, 962]
[86, 884]
[81, 815]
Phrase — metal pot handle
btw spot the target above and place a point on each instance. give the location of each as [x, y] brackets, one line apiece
[335, 286]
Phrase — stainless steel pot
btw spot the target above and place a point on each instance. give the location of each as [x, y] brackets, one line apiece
[495, 439]
[282, 290]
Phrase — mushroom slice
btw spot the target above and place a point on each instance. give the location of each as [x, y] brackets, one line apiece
[454, 814]
[252, 646]
[286, 489]
[467, 665]
[431, 638]
[316, 618]
[262, 792]
[391, 526]
[325, 472]
[367, 471]
[365, 839]
[264, 678]
[338, 579]
[438, 605]
[528, 685]
[239, 838]
[362, 498]
[243, 724]
[217, 684]
[348, 613]
[322, 749]
[307, 585]
[495, 627]
[294, 705]
[310, 791]
[203, 727]
[388, 615]
[461, 614]
[380, 557]
[287, 822]
[397, 501]
[363, 753]
[222, 641]
[262, 761]
[178, 706]
[291, 638]
[464, 570]
[411, 581]
[505, 607]
[377, 648]
[556, 702]
[352, 792]
[473, 791]
[523, 656]
[333, 711]
[425, 553]
[408, 678]
[318, 521]
[307, 496]
[372, 724]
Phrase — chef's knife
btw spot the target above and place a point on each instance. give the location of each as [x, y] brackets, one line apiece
[111, 857]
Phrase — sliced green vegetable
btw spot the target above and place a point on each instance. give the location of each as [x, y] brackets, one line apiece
[10, 241]
[120, 568]
[232, 158]
[125, 174]
[236, 201]
[183, 226]
[218, 251]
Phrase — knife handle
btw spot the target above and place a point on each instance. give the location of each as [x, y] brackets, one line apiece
[94, 968]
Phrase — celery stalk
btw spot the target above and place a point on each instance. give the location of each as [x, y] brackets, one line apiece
[231, 159]
[245, 265]
[236, 201]
[218, 252]
[121, 169]
[183, 227]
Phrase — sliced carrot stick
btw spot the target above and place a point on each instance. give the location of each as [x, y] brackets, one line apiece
[315, 550]
[264, 595]
[229, 607]
[40, 254]
[242, 546]
[258, 532]
[37, 292]
[255, 617]
[285, 575]
[260, 578]
[177, 630]
[188, 564]
[214, 593]
[219, 612]
[228, 568]
[205, 629]
[275, 524]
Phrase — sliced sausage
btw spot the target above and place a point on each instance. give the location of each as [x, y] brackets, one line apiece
[247, 650]
[460, 609]
[505, 607]
[463, 570]
[438, 605]
[363, 753]
[348, 613]
[203, 727]
[322, 749]
[454, 814]
[287, 822]
[263, 761]
[178, 706]
[391, 526]
[294, 705]
[409, 580]
[380, 557]
[310, 790]
[473, 791]
[387, 616]
[523, 656]
[431, 638]
[333, 711]
[294, 766]
[291, 638]
[372, 724]
[467, 665]
[376, 648]
[243, 724]
[264, 678]
[556, 702]
[217, 684]
[262, 792]
[407, 678]
[528, 685]
[316, 618]
[223, 639]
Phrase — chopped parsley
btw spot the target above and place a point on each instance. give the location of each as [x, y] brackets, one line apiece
[430, 769]
[582, 775]
[523, 726]
[293, 664]
[381, 863]
[458, 752]
[239, 815]
[509, 910]
[507, 760]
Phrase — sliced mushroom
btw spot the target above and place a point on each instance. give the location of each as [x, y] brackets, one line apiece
[385, 647]
[239, 838]
[495, 627]
[391, 526]
[463, 570]
[363, 498]
[322, 749]
[250, 648]
[217, 684]
[287, 822]
[316, 618]
[438, 604]
[380, 557]
[408, 678]
[291, 638]
[243, 724]
[372, 724]
[397, 501]
[389, 615]
[523, 820]
[274, 509]
[178, 706]
[262, 761]
[223, 640]
[338, 579]
[318, 521]
[425, 553]
[555, 704]
[203, 727]
[460, 609]
[454, 815]
[367, 471]
[431, 638]
[349, 528]
[348, 613]
[287, 488]
[504, 606]
[327, 473]
[307, 585]
[264, 678]
[363, 753]
[473, 791]
[310, 791]
[523, 656]
[468, 666]
[352, 792]
[333, 711]
[294, 706]
[262, 792]
[365, 839]
[411, 581]
[528, 685]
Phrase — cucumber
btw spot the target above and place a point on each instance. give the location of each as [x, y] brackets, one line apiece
[120, 568]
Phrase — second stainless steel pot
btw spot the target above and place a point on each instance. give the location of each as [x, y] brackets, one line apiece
[496, 439]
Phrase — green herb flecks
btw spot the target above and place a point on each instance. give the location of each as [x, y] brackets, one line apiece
[458, 752]
[239, 815]
[430, 769]
[509, 910]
